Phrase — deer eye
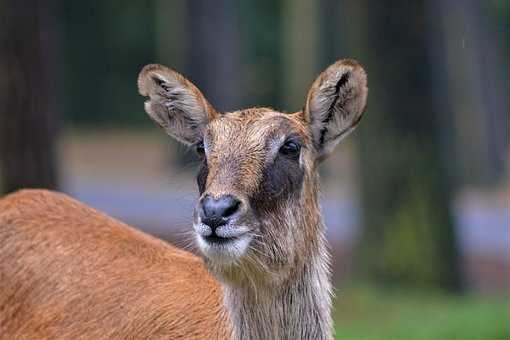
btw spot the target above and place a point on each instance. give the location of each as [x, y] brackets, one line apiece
[199, 148]
[290, 148]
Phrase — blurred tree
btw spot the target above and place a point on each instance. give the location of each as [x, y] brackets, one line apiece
[300, 51]
[201, 40]
[104, 45]
[212, 50]
[27, 109]
[170, 30]
[261, 44]
[469, 73]
[406, 192]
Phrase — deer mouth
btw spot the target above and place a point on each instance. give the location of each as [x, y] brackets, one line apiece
[224, 245]
[217, 239]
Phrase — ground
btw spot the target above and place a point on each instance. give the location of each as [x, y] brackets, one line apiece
[369, 314]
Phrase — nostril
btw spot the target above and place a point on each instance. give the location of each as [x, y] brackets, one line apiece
[231, 207]
[216, 211]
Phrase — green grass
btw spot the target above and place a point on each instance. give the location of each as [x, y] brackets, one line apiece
[369, 314]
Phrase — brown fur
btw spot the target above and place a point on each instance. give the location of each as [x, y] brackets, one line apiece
[70, 272]
[275, 277]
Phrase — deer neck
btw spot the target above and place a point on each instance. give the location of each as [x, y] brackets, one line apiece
[297, 307]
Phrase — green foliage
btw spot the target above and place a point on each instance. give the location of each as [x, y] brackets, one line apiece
[410, 248]
[102, 47]
[368, 314]
[260, 24]
[408, 230]
[408, 240]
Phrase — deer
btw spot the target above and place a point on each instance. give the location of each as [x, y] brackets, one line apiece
[68, 271]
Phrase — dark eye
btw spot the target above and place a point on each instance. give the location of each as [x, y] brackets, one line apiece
[199, 148]
[290, 148]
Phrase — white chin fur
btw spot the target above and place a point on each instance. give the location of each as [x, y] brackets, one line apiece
[224, 253]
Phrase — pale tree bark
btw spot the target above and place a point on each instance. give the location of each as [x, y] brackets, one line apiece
[469, 77]
[299, 50]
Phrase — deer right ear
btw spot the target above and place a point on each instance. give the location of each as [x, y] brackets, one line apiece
[335, 104]
[174, 103]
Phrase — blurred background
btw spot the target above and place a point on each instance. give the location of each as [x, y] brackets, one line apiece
[417, 200]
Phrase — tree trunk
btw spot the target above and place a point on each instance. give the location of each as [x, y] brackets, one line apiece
[212, 51]
[469, 77]
[406, 192]
[27, 110]
[299, 50]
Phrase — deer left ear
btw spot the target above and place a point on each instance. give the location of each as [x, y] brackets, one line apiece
[335, 104]
[175, 103]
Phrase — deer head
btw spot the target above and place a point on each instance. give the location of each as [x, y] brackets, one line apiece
[257, 217]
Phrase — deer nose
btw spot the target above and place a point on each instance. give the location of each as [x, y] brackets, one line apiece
[216, 212]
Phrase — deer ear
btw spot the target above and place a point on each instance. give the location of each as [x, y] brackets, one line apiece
[174, 103]
[335, 104]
